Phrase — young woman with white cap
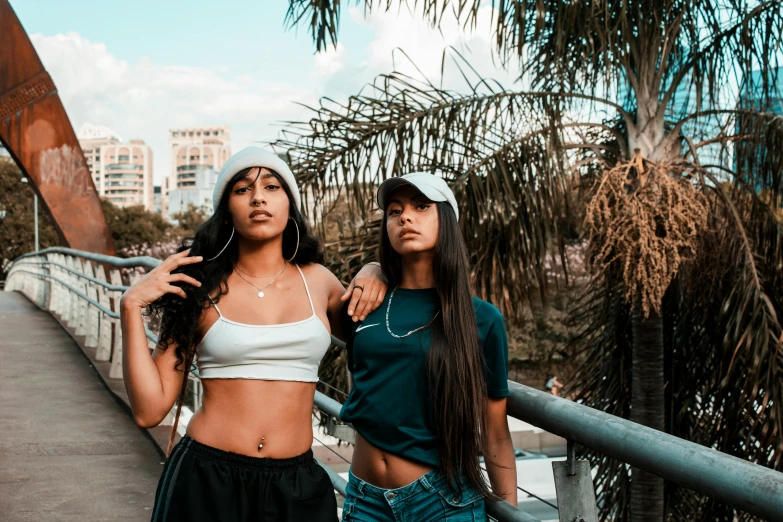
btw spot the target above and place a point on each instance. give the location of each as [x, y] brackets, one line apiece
[430, 370]
[246, 454]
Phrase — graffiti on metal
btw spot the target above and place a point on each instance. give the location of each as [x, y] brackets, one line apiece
[36, 131]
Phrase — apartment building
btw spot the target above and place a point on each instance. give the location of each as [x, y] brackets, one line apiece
[122, 172]
[192, 147]
[91, 138]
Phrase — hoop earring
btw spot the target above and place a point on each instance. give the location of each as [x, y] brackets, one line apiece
[297, 240]
[229, 241]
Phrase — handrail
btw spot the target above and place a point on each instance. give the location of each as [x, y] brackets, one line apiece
[498, 510]
[114, 315]
[750, 487]
[104, 284]
[746, 486]
[338, 482]
[130, 262]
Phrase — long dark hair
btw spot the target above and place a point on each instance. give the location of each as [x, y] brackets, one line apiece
[179, 317]
[455, 363]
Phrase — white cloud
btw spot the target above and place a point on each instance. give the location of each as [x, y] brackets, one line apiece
[144, 100]
[330, 61]
[404, 41]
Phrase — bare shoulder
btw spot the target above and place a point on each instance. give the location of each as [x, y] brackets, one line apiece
[318, 274]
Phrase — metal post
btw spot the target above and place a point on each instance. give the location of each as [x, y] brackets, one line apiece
[571, 459]
[730, 480]
[35, 209]
[35, 213]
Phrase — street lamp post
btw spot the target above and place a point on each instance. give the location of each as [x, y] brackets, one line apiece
[35, 212]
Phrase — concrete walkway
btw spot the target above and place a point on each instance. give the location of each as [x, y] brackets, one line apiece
[68, 450]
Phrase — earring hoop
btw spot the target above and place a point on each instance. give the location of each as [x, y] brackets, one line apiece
[221, 251]
[297, 240]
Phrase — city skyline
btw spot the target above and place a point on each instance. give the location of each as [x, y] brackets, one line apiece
[244, 70]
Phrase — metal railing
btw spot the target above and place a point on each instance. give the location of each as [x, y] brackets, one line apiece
[84, 289]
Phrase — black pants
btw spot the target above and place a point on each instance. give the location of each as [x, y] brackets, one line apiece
[201, 483]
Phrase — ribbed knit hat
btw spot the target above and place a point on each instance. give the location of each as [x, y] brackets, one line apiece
[254, 157]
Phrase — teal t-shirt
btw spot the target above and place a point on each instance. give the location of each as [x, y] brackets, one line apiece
[389, 404]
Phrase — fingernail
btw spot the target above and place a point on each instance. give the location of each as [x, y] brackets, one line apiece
[350, 311]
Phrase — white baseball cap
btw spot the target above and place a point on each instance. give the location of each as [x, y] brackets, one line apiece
[433, 187]
[254, 157]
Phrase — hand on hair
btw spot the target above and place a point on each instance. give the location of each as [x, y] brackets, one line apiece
[366, 292]
[159, 281]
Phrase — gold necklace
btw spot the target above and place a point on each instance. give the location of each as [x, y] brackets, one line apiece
[261, 290]
[256, 277]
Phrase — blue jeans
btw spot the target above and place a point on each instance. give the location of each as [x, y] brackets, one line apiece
[427, 499]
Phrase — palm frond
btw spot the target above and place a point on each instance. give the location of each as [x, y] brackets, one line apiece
[506, 154]
[323, 16]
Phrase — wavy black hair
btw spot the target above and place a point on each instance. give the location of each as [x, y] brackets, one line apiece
[455, 362]
[179, 317]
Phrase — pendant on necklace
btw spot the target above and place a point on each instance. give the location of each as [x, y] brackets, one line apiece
[260, 294]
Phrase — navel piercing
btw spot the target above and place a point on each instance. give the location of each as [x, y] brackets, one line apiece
[261, 445]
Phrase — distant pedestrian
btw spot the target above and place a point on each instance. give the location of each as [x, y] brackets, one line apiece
[553, 386]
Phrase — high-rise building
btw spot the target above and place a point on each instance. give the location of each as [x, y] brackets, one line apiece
[194, 146]
[91, 138]
[126, 174]
[157, 200]
[198, 195]
[749, 155]
[751, 96]
[122, 172]
[685, 102]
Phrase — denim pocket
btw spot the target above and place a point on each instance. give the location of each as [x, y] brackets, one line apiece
[469, 496]
[473, 512]
[349, 505]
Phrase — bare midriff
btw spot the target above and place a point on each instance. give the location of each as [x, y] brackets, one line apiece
[382, 469]
[238, 415]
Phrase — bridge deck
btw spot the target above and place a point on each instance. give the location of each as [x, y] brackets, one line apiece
[68, 450]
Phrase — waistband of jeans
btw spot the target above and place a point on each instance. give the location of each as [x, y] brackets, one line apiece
[429, 481]
[201, 450]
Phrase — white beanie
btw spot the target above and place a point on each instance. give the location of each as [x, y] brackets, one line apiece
[254, 157]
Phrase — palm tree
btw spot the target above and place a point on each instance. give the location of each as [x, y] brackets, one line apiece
[631, 128]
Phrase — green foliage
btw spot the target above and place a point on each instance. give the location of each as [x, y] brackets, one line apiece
[133, 226]
[189, 220]
[17, 228]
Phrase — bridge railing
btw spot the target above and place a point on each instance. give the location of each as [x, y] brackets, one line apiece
[83, 290]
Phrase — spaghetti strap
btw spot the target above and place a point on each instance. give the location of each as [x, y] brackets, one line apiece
[215, 305]
[307, 289]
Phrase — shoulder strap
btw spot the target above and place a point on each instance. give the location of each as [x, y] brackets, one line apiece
[307, 289]
[215, 305]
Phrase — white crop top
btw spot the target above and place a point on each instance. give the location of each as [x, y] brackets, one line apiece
[275, 352]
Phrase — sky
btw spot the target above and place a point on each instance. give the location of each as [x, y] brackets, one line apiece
[145, 67]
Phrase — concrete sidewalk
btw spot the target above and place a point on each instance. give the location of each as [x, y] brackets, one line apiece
[68, 450]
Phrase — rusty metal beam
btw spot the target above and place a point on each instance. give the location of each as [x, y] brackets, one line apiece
[36, 131]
